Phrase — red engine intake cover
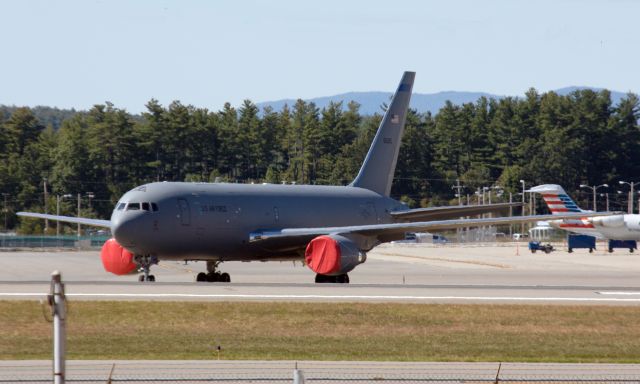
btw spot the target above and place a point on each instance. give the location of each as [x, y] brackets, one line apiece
[116, 259]
[323, 255]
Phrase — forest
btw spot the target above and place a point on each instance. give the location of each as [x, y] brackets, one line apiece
[581, 138]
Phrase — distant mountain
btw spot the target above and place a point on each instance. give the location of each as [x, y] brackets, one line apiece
[370, 102]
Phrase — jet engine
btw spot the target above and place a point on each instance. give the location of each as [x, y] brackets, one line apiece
[333, 255]
[116, 259]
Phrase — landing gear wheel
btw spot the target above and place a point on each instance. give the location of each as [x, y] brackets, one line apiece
[340, 279]
[213, 277]
[201, 277]
[145, 262]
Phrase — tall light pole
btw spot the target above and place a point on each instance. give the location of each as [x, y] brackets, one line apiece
[5, 210]
[46, 197]
[630, 202]
[90, 195]
[606, 196]
[79, 196]
[58, 199]
[594, 188]
[458, 189]
[523, 205]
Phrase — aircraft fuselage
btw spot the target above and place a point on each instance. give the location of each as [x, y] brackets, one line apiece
[213, 221]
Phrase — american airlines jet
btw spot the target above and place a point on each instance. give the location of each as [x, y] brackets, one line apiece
[329, 228]
[614, 227]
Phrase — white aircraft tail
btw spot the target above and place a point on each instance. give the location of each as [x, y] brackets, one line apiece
[556, 199]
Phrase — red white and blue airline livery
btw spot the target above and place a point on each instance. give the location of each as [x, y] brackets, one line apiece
[615, 227]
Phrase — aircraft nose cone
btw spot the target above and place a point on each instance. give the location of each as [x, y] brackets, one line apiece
[124, 230]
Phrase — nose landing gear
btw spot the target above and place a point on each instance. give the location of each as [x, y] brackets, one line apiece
[212, 275]
[145, 262]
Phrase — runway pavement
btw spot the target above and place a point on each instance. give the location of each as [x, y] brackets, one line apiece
[392, 273]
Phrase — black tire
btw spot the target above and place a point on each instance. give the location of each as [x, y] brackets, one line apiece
[213, 277]
[141, 278]
[590, 250]
[547, 250]
[533, 251]
[570, 250]
[201, 277]
[225, 278]
[610, 250]
[320, 279]
[630, 250]
[151, 278]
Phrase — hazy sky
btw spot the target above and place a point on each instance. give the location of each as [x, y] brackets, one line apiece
[79, 53]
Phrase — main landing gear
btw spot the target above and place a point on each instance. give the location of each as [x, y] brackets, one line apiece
[212, 275]
[339, 279]
[145, 263]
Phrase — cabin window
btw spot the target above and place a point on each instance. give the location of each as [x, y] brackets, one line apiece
[121, 206]
[145, 207]
[133, 206]
[154, 207]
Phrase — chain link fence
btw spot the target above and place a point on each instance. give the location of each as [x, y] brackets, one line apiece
[17, 242]
[317, 372]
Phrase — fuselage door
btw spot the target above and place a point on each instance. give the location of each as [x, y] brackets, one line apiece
[185, 213]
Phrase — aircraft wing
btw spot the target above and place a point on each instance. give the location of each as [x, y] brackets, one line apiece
[68, 219]
[450, 212]
[289, 237]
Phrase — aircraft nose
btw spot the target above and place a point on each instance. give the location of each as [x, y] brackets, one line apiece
[124, 230]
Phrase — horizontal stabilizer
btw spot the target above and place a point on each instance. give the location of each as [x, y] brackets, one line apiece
[68, 219]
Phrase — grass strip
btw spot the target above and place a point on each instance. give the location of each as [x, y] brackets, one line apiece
[327, 331]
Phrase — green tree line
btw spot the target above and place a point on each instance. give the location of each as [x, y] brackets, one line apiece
[570, 140]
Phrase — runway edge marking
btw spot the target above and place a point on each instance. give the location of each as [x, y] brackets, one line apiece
[327, 297]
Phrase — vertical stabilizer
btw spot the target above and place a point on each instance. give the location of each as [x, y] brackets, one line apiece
[556, 199]
[377, 170]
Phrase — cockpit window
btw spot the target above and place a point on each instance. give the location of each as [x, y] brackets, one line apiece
[133, 206]
[145, 207]
[154, 206]
[121, 206]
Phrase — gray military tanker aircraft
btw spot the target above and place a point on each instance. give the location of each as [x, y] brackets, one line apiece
[331, 228]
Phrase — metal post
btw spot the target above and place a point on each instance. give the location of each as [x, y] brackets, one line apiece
[631, 199]
[58, 309]
[510, 214]
[78, 214]
[595, 205]
[57, 214]
[6, 211]
[298, 376]
[46, 221]
[523, 206]
[458, 187]
[607, 197]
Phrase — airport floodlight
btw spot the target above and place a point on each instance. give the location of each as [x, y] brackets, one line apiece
[594, 189]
